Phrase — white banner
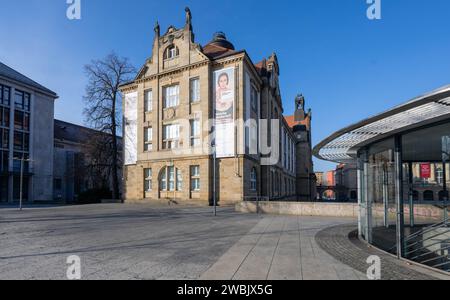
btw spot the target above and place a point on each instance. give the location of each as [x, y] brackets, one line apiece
[224, 103]
[130, 126]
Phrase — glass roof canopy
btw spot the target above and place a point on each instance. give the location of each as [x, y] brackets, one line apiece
[343, 145]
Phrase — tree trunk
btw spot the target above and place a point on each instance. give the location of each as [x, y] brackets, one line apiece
[115, 162]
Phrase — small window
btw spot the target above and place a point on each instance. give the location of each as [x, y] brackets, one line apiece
[171, 96]
[254, 99]
[195, 90]
[253, 180]
[171, 134]
[148, 100]
[171, 52]
[195, 178]
[148, 139]
[195, 133]
[148, 174]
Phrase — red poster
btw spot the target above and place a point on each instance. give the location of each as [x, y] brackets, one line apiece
[425, 171]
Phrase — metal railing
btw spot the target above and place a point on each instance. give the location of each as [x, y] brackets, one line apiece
[430, 246]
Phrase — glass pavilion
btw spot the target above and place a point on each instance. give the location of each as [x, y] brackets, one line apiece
[403, 158]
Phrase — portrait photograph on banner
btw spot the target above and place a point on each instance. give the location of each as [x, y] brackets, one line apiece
[224, 106]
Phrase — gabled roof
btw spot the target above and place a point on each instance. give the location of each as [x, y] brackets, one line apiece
[13, 75]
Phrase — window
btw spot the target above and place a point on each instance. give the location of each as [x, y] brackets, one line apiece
[179, 180]
[21, 120]
[171, 52]
[4, 116]
[195, 178]
[171, 179]
[253, 180]
[5, 95]
[4, 138]
[428, 196]
[195, 90]
[195, 133]
[148, 139]
[18, 160]
[22, 101]
[439, 176]
[148, 180]
[148, 100]
[254, 99]
[163, 180]
[4, 161]
[171, 135]
[21, 141]
[171, 96]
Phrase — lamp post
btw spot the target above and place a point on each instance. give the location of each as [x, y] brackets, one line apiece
[213, 145]
[22, 161]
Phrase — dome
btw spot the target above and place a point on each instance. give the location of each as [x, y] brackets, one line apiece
[220, 39]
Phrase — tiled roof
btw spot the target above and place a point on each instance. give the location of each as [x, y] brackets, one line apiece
[291, 122]
[12, 74]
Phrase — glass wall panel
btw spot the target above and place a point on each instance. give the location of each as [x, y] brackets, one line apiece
[381, 194]
[426, 170]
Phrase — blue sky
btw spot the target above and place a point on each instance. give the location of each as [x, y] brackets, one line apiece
[348, 67]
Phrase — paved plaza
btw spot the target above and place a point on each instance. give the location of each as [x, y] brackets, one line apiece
[142, 242]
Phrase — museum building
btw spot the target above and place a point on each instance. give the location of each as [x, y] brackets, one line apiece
[205, 122]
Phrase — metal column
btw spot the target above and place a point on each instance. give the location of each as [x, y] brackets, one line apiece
[399, 196]
[411, 195]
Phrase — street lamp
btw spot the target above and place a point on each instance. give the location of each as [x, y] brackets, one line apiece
[22, 161]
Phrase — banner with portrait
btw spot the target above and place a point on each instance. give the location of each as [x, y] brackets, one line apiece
[224, 106]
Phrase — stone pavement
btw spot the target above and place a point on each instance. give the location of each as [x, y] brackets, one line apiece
[282, 248]
[117, 241]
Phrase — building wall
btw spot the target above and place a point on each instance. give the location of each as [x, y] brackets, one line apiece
[233, 173]
[38, 178]
[42, 149]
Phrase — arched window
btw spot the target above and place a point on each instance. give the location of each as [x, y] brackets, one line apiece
[253, 180]
[170, 179]
[171, 52]
[428, 196]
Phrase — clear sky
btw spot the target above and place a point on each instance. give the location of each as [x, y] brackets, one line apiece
[347, 66]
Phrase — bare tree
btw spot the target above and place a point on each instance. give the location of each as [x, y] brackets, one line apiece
[103, 103]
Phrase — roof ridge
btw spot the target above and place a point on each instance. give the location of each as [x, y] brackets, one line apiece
[19, 77]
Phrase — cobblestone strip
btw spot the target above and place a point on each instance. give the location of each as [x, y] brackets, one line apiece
[342, 243]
